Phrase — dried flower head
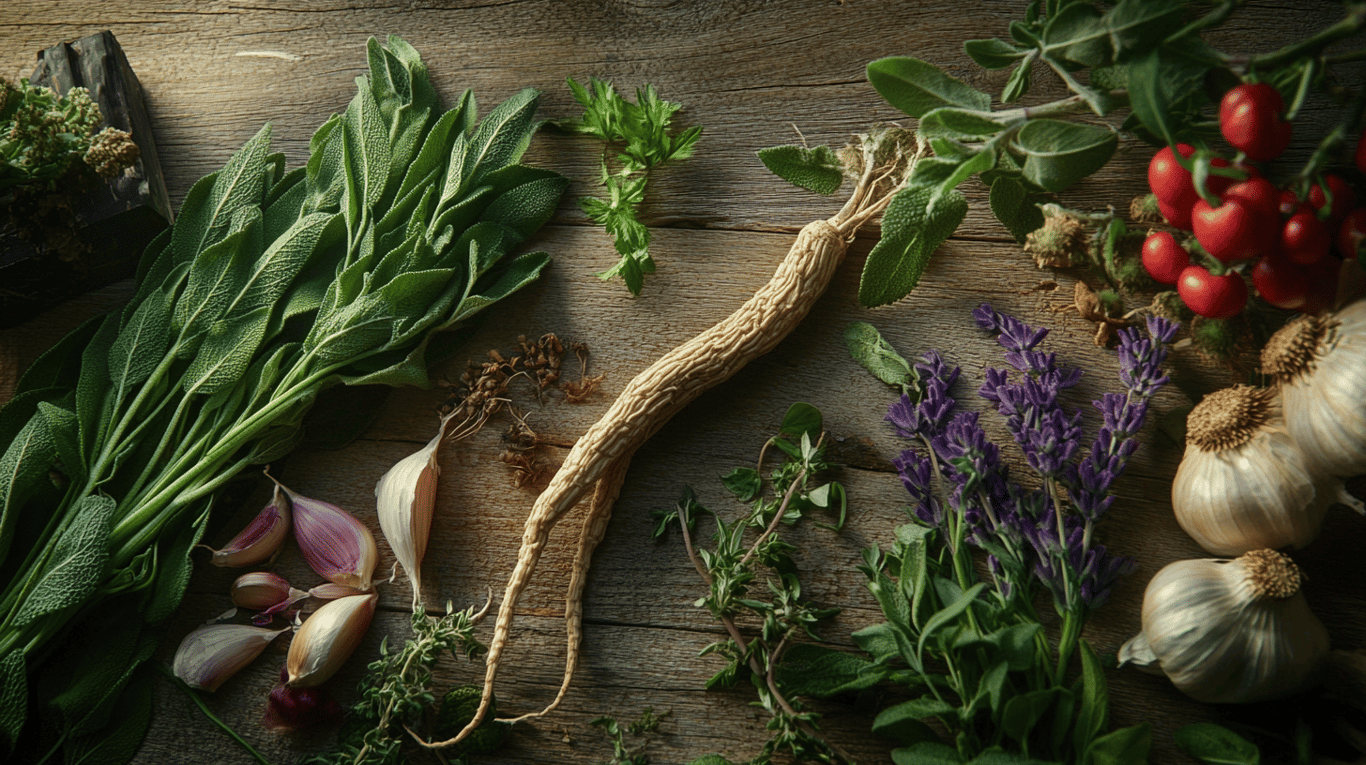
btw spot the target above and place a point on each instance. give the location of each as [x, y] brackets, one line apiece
[111, 152]
[1060, 240]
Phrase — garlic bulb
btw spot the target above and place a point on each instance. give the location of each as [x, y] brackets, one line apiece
[328, 638]
[1230, 631]
[1320, 364]
[1243, 484]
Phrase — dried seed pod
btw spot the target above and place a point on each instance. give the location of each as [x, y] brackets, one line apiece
[261, 538]
[336, 545]
[328, 638]
[211, 654]
[1230, 631]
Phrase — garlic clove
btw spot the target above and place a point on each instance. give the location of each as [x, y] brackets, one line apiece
[405, 497]
[261, 538]
[332, 591]
[212, 653]
[1243, 483]
[1232, 631]
[336, 545]
[264, 591]
[328, 638]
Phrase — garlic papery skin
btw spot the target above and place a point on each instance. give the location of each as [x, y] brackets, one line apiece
[1320, 364]
[332, 591]
[264, 591]
[1230, 631]
[328, 638]
[336, 545]
[1243, 484]
[211, 654]
[261, 538]
[405, 497]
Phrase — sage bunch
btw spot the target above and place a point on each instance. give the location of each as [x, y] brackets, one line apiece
[271, 286]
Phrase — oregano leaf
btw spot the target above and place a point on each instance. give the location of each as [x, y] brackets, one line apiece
[876, 355]
[1013, 207]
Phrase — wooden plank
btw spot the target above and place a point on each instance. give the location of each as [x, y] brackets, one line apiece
[749, 70]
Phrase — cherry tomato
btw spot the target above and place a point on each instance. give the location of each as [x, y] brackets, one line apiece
[1180, 217]
[1344, 199]
[1291, 204]
[1257, 193]
[1304, 238]
[1164, 258]
[1352, 233]
[1280, 282]
[1250, 120]
[1234, 230]
[1214, 297]
[1169, 181]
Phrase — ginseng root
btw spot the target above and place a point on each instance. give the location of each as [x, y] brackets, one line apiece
[600, 457]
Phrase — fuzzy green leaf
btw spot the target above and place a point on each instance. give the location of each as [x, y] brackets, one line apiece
[1126, 746]
[910, 235]
[140, 346]
[876, 355]
[13, 698]
[76, 564]
[226, 353]
[1161, 83]
[916, 87]
[818, 169]
[23, 467]
[1060, 153]
[820, 672]
[902, 725]
[1093, 714]
[1018, 83]
[1013, 207]
[993, 53]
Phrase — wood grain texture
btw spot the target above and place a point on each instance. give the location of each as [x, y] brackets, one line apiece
[750, 71]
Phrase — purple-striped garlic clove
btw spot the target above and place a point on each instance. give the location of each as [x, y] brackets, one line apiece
[328, 638]
[336, 545]
[261, 538]
[211, 654]
[331, 591]
[264, 591]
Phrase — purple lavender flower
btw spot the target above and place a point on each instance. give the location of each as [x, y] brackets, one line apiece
[917, 475]
[928, 415]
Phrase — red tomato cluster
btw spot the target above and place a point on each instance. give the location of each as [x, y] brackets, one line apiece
[1289, 240]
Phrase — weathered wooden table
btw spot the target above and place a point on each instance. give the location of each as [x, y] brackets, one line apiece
[753, 72]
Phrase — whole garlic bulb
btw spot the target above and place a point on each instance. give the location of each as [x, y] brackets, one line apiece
[1243, 483]
[1320, 364]
[1230, 631]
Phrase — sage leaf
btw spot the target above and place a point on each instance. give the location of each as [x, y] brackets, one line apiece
[1021, 713]
[64, 429]
[1059, 153]
[958, 124]
[1160, 83]
[1214, 744]
[1018, 84]
[58, 366]
[916, 87]
[812, 670]
[1126, 746]
[993, 53]
[818, 169]
[503, 136]
[1012, 206]
[876, 355]
[226, 353]
[13, 697]
[1077, 33]
[901, 724]
[208, 210]
[949, 613]
[140, 346]
[122, 737]
[23, 467]
[1137, 25]
[528, 202]
[85, 692]
[76, 564]
[926, 753]
[367, 141]
[910, 235]
[173, 570]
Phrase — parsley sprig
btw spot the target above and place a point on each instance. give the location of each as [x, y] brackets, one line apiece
[642, 133]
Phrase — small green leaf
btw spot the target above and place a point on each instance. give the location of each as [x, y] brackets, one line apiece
[1060, 153]
[1077, 33]
[227, 352]
[1021, 713]
[744, 483]
[1162, 84]
[876, 355]
[812, 670]
[76, 564]
[1214, 744]
[993, 53]
[949, 613]
[802, 420]
[958, 124]
[916, 87]
[1013, 207]
[817, 169]
[1018, 84]
[1126, 746]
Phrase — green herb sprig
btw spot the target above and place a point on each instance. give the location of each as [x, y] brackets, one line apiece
[271, 286]
[642, 137]
[750, 556]
[1141, 55]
